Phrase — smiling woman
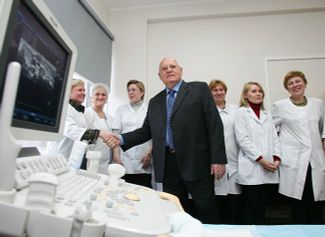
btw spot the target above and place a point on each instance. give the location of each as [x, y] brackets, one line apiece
[96, 118]
[295, 82]
[300, 120]
[226, 189]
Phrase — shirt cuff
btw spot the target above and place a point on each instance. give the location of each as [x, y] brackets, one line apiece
[276, 158]
[259, 158]
[120, 137]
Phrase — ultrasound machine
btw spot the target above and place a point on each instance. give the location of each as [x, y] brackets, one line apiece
[39, 195]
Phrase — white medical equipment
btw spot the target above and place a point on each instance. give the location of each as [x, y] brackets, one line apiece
[100, 204]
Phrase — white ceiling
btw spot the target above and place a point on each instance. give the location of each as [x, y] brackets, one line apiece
[125, 4]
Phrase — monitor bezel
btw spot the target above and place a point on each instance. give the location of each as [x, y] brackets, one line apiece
[25, 130]
[7, 19]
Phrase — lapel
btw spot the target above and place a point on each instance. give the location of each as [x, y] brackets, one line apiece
[183, 90]
[263, 116]
[162, 104]
[252, 115]
[131, 110]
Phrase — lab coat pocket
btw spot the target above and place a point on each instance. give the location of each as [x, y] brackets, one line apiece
[291, 156]
[247, 168]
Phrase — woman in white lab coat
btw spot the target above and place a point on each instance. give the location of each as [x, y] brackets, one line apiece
[299, 120]
[226, 189]
[76, 127]
[97, 119]
[137, 160]
[259, 155]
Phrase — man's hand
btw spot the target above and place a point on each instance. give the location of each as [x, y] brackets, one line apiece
[218, 170]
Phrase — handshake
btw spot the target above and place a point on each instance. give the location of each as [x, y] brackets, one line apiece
[111, 139]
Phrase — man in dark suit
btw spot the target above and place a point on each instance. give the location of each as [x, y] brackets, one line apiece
[191, 154]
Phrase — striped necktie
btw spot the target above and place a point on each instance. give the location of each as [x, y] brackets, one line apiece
[169, 106]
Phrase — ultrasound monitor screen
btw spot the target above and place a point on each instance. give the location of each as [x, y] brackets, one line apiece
[45, 60]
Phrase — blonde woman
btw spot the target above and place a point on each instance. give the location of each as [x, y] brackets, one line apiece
[97, 119]
[259, 154]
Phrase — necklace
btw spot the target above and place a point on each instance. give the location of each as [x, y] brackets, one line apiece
[222, 105]
[300, 104]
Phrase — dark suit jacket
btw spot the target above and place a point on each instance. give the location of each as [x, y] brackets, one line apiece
[197, 132]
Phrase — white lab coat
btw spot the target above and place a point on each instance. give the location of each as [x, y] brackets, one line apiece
[74, 128]
[95, 122]
[255, 137]
[300, 130]
[227, 184]
[126, 120]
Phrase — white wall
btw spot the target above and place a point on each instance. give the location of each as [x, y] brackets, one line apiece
[234, 49]
[234, 40]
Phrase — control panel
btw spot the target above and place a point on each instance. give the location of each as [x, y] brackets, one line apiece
[126, 209]
[25, 167]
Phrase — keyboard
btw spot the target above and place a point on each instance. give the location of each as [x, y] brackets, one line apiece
[126, 209]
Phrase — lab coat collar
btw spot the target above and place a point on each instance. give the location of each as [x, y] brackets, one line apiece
[76, 106]
[263, 115]
[225, 110]
[142, 106]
